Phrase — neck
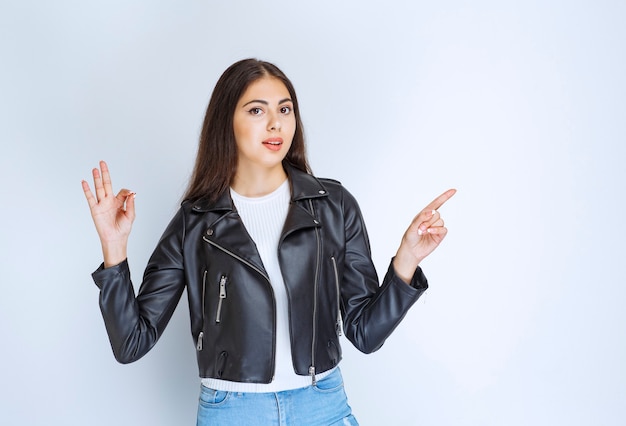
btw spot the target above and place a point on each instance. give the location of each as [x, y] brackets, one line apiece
[258, 182]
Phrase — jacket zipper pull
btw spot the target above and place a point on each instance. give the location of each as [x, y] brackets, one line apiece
[199, 344]
[218, 316]
[312, 374]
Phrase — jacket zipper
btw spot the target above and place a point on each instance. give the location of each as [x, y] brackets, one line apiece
[218, 315]
[339, 324]
[239, 258]
[315, 284]
[201, 335]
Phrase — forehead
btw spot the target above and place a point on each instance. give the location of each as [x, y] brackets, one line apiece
[267, 89]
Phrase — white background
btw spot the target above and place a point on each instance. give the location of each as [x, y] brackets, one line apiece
[520, 105]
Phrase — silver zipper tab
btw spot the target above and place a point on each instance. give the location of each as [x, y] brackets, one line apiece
[199, 344]
[218, 315]
[312, 374]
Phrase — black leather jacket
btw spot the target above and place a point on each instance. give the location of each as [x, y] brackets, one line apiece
[325, 259]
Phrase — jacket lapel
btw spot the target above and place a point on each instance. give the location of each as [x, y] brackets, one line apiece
[227, 232]
[304, 188]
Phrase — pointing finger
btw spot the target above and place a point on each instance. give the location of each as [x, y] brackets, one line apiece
[438, 202]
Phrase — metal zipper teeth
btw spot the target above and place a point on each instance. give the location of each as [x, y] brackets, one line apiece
[201, 335]
[250, 265]
[239, 258]
[315, 284]
[339, 320]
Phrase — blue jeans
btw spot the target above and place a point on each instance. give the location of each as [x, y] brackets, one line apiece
[324, 404]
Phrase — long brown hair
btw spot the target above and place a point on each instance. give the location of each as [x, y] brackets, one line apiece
[216, 161]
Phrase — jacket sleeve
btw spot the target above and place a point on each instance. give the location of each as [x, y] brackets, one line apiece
[371, 312]
[134, 324]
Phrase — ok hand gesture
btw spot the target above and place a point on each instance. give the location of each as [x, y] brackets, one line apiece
[112, 214]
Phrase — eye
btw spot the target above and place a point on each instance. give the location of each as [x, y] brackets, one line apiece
[255, 111]
[285, 110]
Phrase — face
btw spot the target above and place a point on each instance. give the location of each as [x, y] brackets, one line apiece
[264, 125]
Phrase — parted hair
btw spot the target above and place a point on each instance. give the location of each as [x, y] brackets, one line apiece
[216, 161]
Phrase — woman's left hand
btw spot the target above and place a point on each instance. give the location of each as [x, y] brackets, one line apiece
[425, 233]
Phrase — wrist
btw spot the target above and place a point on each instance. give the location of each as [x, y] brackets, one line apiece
[405, 265]
[113, 255]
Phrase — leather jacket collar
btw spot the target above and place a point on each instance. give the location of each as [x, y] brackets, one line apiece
[303, 186]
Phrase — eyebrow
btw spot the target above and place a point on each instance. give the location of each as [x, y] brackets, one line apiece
[261, 101]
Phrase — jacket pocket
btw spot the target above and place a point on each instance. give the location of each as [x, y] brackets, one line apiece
[334, 352]
[220, 364]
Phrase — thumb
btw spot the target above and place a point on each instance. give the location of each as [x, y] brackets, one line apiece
[123, 195]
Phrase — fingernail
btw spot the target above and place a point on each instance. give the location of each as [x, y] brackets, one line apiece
[420, 232]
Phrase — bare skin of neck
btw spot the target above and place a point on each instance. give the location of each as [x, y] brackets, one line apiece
[257, 182]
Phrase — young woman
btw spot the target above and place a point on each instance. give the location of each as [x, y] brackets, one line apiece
[276, 263]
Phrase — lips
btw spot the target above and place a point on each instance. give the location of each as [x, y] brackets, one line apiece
[273, 144]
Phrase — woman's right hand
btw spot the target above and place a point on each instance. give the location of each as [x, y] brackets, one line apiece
[112, 214]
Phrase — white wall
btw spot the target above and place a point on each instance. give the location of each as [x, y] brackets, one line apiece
[519, 105]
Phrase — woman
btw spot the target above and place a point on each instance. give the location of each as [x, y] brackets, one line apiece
[276, 264]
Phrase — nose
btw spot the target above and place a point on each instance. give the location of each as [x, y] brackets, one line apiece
[274, 123]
